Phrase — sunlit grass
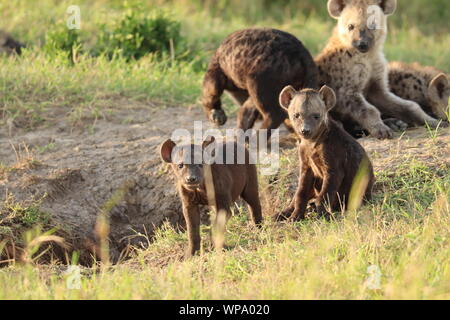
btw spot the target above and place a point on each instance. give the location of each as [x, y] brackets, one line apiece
[404, 231]
[37, 84]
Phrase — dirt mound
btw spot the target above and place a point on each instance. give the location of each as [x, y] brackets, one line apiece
[113, 166]
[72, 174]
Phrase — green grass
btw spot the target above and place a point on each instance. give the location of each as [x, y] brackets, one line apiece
[37, 84]
[405, 230]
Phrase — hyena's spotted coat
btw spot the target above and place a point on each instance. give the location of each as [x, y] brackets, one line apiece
[427, 86]
[254, 65]
[353, 64]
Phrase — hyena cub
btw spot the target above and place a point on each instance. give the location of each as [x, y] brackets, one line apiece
[427, 86]
[353, 64]
[218, 189]
[329, 157]
[254, 65]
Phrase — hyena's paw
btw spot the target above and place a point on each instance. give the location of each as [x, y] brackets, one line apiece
[443, 124]
[283, 216]
[189, 253]
[296, 216]
[441, 111]
[395, 124]
[381, 131]
[218, 117]
[434, 124]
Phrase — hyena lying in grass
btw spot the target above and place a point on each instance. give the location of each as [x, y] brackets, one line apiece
[427, 86]
[330, 159]
[354, 65]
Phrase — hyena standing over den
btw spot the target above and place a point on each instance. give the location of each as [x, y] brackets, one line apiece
[353, 64]
[254, 65]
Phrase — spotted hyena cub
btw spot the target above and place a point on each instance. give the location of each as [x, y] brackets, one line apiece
[329, 157]
[226, 183]
[254, 65]
[427, 86]
[353, 64]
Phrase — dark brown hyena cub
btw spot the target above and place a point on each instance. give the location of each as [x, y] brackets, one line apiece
[218, 188]
[329, 157]
[254, 65]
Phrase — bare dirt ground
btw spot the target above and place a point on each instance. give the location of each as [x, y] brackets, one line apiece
[78, 171]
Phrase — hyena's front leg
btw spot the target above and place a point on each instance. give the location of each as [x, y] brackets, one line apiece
[328, 197]
[223, 214]
[213, 88]
[192, 217]
[393, 106]
[365, 114]
[297, 210]
[247, 115]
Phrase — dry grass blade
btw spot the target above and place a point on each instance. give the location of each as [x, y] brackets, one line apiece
[359, 186]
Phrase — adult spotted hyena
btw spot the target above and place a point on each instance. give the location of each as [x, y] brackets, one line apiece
[254, 65]
[427, 86]
[353, 64]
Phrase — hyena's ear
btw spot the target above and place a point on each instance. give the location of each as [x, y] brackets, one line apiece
[388, 6]
[166, 150]
[209, 140]
[209, 150]
[438, 88]
[286, 97]
[328, 96]
[335, 8]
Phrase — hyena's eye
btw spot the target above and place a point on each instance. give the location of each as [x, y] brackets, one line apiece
[180, 166]
[296, 115]
[316, 116]
[351, 27]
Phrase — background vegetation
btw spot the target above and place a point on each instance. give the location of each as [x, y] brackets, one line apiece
[179, 37]
[157, 51]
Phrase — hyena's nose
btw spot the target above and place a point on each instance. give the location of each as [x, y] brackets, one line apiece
[306, 131]
[362, 45]
[191, 179]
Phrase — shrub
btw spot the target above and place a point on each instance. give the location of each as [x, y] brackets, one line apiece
[62, 39]
[136, 35]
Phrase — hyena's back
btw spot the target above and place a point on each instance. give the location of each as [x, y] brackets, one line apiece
[254, 65]
[412, 81]
[278, 54]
